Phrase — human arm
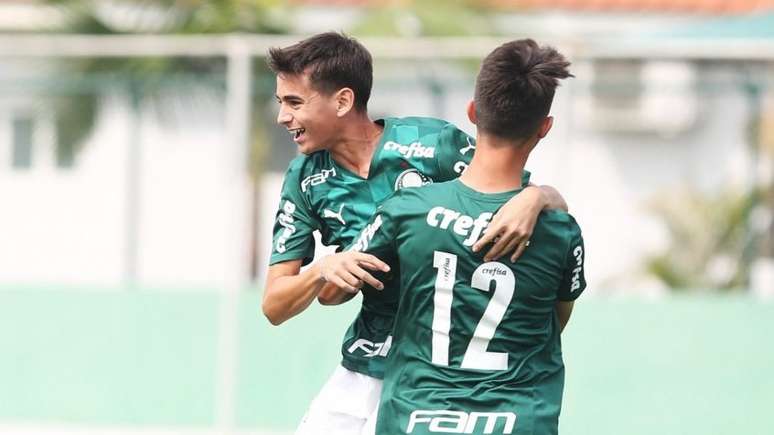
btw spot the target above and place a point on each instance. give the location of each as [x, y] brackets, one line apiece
[563, 312]
[512, 226]
[289, 291]
[332, 294]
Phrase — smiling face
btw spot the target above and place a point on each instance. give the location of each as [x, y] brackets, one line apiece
[311, 117]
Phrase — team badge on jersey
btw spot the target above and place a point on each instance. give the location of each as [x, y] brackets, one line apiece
[411, 178]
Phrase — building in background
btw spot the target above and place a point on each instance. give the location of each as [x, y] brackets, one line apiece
[670, 115]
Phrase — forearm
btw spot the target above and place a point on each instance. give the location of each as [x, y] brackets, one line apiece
[331, 294]
[287, 296]
[552, 198]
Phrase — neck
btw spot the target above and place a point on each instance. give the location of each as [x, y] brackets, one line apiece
[357, 143]
[497, 164]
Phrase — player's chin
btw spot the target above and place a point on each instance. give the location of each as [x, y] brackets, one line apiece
[308, 148]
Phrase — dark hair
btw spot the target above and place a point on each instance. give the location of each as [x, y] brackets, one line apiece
[516, 86]
[333, 61]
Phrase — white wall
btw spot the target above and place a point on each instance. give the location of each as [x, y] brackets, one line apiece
[69, 226]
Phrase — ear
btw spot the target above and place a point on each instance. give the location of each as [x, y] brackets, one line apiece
[472, 112]
[345, 101]
[545, 127]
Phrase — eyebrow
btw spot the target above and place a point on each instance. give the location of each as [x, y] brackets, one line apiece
[289, 97]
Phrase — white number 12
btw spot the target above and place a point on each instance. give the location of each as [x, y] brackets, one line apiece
[476, 356]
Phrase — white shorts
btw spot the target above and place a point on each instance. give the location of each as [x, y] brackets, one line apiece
[346, 405]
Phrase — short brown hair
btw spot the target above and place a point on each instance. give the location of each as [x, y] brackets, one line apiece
[333, 60]
[515, 87]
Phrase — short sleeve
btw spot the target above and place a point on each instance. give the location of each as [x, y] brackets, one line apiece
[573, 280]
[455, 151]
[294, 225]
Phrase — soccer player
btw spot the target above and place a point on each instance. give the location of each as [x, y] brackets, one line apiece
[478, 342]
[349, 164]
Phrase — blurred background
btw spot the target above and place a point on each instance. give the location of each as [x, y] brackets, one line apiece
[140, 168]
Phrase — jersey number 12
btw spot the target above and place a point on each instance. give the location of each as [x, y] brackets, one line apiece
[476, 356]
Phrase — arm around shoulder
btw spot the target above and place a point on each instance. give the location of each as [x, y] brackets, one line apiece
[553, 199]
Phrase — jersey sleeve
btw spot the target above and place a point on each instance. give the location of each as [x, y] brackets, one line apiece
[573, 280]
[455, 150]
[294, 225]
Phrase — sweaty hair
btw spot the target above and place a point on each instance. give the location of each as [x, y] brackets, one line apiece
[516, 86]
[332, 60]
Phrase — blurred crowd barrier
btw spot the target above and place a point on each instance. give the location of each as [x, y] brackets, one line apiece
[150, 361]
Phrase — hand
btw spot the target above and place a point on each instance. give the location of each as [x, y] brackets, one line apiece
[512, 226]
[347, 270]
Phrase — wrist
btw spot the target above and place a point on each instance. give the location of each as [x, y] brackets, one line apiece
[541, 200]
[317, 273]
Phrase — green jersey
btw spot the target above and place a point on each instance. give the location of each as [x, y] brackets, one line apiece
[318, 194]
[477, 343]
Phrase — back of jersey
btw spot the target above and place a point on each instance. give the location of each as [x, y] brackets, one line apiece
[477, 347]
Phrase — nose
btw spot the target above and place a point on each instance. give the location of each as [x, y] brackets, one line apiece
[283, 117]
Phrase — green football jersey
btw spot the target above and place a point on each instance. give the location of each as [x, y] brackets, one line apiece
[477, 347]
[318, 194]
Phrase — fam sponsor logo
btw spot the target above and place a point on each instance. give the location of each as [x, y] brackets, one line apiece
[285, 219]
[415, 149]
[370, 348]
[443, 421]
[319, 178]
[365, 237]
[578, 254]
[463, 225]
[411, 178]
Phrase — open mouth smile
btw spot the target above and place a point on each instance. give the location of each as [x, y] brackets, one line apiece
[296, 132]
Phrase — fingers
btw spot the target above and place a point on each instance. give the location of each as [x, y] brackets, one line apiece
[372, 262]
[501, 247]
[489, 235]
[519, 250]
[349, 285]
[370, 280]
[356, 269]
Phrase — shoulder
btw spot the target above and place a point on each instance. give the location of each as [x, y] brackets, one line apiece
[422, 126]
[561, 223]
[417, 198]
[418, 121]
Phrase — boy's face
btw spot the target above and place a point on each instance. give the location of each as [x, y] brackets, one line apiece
[309, 116]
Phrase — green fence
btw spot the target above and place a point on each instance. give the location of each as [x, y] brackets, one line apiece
[138, 359]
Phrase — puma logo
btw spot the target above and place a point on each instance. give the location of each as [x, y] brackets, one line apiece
[468, 148]
[338, 216]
